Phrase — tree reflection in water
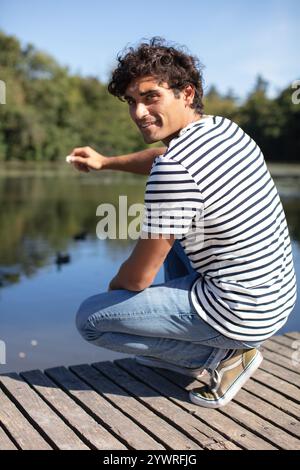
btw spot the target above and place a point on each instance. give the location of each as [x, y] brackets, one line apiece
[40, 217]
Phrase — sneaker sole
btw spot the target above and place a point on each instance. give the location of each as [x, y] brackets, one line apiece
[144, 361]
[252, 367]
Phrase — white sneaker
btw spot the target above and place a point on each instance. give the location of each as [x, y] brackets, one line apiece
[155, 362]
[227, 379]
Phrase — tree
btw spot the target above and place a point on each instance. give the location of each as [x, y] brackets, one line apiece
[50, 111]
[261, 118]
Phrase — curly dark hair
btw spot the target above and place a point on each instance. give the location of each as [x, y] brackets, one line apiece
[162, 61]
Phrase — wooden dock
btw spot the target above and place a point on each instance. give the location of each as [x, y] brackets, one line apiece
[122, 405]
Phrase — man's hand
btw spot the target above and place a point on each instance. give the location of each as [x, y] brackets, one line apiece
[86, 159]
[140, 163]
[113, 285]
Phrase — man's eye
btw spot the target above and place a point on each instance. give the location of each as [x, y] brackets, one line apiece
[151, 97]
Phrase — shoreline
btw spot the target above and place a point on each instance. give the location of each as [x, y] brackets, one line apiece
[284, 170]
[61, 169]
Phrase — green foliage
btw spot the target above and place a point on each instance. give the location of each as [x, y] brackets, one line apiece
[49, 111]
[219, 105]
[262, 118]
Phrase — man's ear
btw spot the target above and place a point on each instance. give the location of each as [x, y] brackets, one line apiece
[189, 94]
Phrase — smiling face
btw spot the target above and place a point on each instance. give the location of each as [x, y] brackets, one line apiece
[158, 113]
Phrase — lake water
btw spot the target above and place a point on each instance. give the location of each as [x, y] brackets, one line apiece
[51, 260]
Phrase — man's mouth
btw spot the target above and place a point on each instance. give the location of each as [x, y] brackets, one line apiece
[145, 125]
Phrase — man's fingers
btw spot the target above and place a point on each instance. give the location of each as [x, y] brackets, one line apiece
[76, 159]
[79, 158]
[81, 167]
[80, 151]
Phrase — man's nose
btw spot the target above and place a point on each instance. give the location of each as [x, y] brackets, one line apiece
[141, 111]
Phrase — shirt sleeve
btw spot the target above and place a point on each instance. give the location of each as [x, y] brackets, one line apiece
[172, 199]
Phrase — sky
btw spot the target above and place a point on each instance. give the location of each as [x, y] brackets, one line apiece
[234, 39]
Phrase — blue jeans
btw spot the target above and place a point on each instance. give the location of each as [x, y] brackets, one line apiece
[159, 321]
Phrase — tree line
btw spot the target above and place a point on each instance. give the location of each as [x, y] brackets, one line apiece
[49, 111]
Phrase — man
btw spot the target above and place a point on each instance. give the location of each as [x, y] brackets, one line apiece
[213, 217]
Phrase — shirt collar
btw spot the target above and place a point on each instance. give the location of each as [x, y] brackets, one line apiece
[189, 126]
[199, 123]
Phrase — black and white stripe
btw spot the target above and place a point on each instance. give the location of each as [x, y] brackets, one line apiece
[213, 190]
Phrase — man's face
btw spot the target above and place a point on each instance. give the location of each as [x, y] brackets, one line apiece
[156, 111]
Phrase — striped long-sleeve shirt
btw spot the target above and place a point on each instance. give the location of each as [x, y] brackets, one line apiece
[212, 189]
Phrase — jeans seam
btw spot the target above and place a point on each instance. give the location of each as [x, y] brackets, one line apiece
[120, 315]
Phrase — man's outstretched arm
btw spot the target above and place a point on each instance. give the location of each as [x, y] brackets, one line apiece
[140, 269]
[86, 159]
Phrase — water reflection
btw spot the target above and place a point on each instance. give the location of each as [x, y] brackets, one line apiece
[40, 217]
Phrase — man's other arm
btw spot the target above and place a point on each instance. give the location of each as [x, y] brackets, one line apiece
[140, 269]
[86, 159]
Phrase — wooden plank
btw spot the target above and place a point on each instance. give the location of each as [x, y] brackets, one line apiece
[246, 417]
[285, 341]
[293, 335]
[110, 417]
[264, 429]
[281, 372]
[23, 433]
[143, 408]
[278, 348]
[274, 398]
[280, 386]
[224, 445]
[229, 428]
[5, 442]
[280, 360]
[160, 430]
[91, 432]
[45, 419]
[290, 425]
[166, 411]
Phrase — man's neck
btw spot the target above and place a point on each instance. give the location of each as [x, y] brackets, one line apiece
[190, 120]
